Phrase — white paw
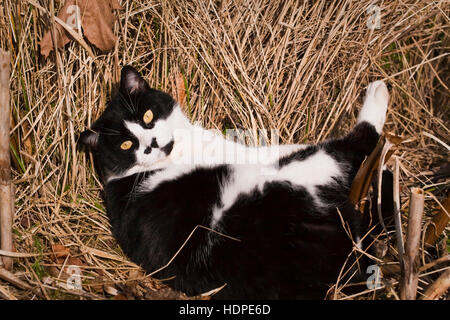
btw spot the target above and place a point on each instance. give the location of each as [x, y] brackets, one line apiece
[375, 105]
[377, 90]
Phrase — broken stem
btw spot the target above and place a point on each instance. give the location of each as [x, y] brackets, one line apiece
[438, 288]
[6, 194]
[410, 266]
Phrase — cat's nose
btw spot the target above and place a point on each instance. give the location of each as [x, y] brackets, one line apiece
[154, 143]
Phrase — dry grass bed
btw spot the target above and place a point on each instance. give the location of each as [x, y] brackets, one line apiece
[299, 67]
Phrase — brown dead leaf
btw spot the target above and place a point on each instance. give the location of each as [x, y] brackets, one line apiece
[94, 18]
[181, 90]
[60, 251]
[439, 223]
[54, 271]
[74, 262]
[25, 221]
[366, 173]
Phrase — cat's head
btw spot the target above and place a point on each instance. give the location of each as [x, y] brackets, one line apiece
[135, 131]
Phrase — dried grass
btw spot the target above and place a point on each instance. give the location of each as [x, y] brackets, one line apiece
[298, 67]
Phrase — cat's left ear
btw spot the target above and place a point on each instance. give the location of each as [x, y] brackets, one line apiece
[131, 81]
[89, 139]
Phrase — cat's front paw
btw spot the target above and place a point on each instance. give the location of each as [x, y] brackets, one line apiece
[375, 105]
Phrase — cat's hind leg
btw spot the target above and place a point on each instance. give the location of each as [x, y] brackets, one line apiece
[362, 139]
[375, 105]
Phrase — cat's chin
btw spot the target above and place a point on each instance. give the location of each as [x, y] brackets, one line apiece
[143, 167]
[155, 165]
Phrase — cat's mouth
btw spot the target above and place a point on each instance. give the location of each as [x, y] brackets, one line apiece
[167, 149]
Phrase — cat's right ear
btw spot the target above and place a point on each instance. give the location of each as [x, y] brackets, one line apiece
[131, 81]
[89, 139]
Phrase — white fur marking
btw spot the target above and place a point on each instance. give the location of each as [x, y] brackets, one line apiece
[318, 169]
[197, 147]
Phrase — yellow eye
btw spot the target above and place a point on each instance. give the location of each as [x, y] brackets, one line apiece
[126, 145]
[148, 117]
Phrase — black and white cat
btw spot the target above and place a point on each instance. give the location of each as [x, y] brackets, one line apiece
[163, 176]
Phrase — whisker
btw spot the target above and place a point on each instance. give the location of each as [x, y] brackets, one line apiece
[106, 130]
[111, 134]
[127, 105]
[132, 195]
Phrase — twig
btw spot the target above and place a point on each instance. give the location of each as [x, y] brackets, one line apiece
[44, 292]
[429, 135]
[4, 294]
[435, 262]
[11, 278]
[5, 253]
[438, 288]
[397, 213]
[383, 158]
[80, 293]
[409, 277]
[6, 194]
[213, 291]
[186, 241]
[102, 254]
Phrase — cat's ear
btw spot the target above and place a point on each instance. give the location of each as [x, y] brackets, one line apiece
[89, 139]
[131, 81]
